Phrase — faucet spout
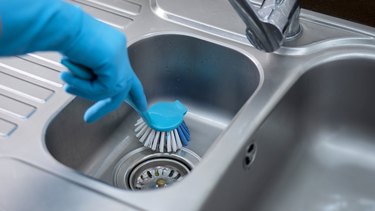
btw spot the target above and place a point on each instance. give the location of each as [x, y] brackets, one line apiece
[270, 25]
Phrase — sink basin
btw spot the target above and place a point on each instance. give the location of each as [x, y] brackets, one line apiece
[321, 138]
[316, 149]
[196, 72]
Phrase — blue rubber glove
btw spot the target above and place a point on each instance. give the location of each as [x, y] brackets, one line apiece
[54, 25]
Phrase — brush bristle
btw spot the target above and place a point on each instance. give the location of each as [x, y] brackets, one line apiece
[162, 141]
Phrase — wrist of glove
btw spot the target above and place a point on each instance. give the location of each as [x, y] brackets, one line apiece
[40, 25]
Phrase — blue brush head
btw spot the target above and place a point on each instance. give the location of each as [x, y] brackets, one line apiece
[162, 127]
[165, 116]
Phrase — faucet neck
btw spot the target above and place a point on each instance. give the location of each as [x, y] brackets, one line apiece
[294, 28]
[268, 26]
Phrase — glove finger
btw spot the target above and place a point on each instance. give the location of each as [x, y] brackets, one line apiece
[75, 81]
[137, 95]
[71, 90]
[70, 84]
[78, 70]
[103, 107]
[92, 90]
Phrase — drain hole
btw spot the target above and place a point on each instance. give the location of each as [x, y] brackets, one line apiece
[141, 171]
[249, 155]
[251, 148]
[156, 173]
[171, 173]
[148, 174]
[247, 160]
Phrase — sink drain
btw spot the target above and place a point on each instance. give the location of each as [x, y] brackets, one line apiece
[143, 169]
[157, 173]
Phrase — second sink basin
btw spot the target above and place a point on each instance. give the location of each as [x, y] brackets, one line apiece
[316, 149]
[211, 80]
[322, 141]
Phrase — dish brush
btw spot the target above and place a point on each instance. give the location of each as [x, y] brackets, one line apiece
[160, 128]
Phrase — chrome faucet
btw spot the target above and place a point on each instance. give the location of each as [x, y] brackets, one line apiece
[270, 25]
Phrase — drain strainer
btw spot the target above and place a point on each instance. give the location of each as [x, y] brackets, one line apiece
[157, 173]
[144, 170]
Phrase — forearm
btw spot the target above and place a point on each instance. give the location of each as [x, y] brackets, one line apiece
[39, 25]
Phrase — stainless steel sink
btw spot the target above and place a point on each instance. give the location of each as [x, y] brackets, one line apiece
[194, 71]
[289, 130]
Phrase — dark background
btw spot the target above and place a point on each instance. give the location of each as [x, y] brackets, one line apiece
[360, 11]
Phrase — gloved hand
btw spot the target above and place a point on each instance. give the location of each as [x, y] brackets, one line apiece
[54, 25]
[81, 83]
[102, 51]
